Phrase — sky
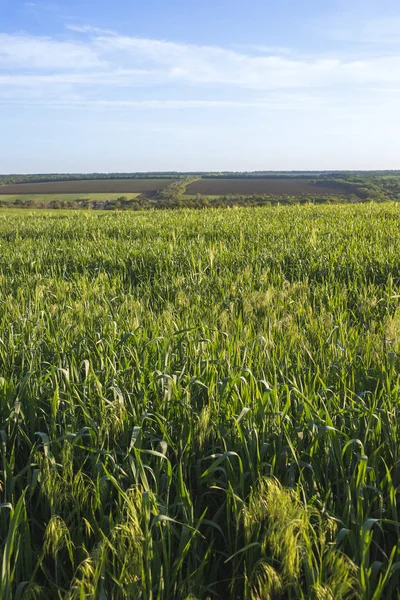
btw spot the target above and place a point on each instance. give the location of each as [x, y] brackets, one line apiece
[210, 85]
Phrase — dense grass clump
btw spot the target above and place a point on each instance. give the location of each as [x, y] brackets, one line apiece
[200, 404]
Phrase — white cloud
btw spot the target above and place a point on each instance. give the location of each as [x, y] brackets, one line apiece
[126, 57]
[70, 100]
[97, 78]
[29, 52]
[94, 61]
[212, 65]
[88, 29]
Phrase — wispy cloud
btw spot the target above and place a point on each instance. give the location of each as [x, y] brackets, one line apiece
[33, 53]
[89, 29]
[70, 100]
[89, 57]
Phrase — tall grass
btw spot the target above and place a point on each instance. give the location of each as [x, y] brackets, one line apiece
[200, 404]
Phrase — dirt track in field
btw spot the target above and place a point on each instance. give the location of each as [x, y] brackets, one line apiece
[290, 187]
[92, 186]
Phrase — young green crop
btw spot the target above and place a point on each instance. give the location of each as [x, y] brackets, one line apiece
[200, 404]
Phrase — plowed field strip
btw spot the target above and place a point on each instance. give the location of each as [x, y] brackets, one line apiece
[106, 186]
[260, 186]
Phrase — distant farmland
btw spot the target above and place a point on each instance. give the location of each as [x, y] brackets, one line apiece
[46, 198]
[148, 187]
[92, 186]
[290, 187]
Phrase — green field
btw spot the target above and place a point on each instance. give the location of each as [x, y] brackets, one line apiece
[36, 198]
[200, 404]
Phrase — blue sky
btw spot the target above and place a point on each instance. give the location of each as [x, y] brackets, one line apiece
[189, 85]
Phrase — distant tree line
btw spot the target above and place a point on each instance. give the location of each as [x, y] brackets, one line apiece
[362, 178]
[49, 177]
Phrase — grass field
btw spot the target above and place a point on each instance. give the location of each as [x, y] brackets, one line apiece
[200, 404]
[91, 186]
[43, 198]
[215, 187]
